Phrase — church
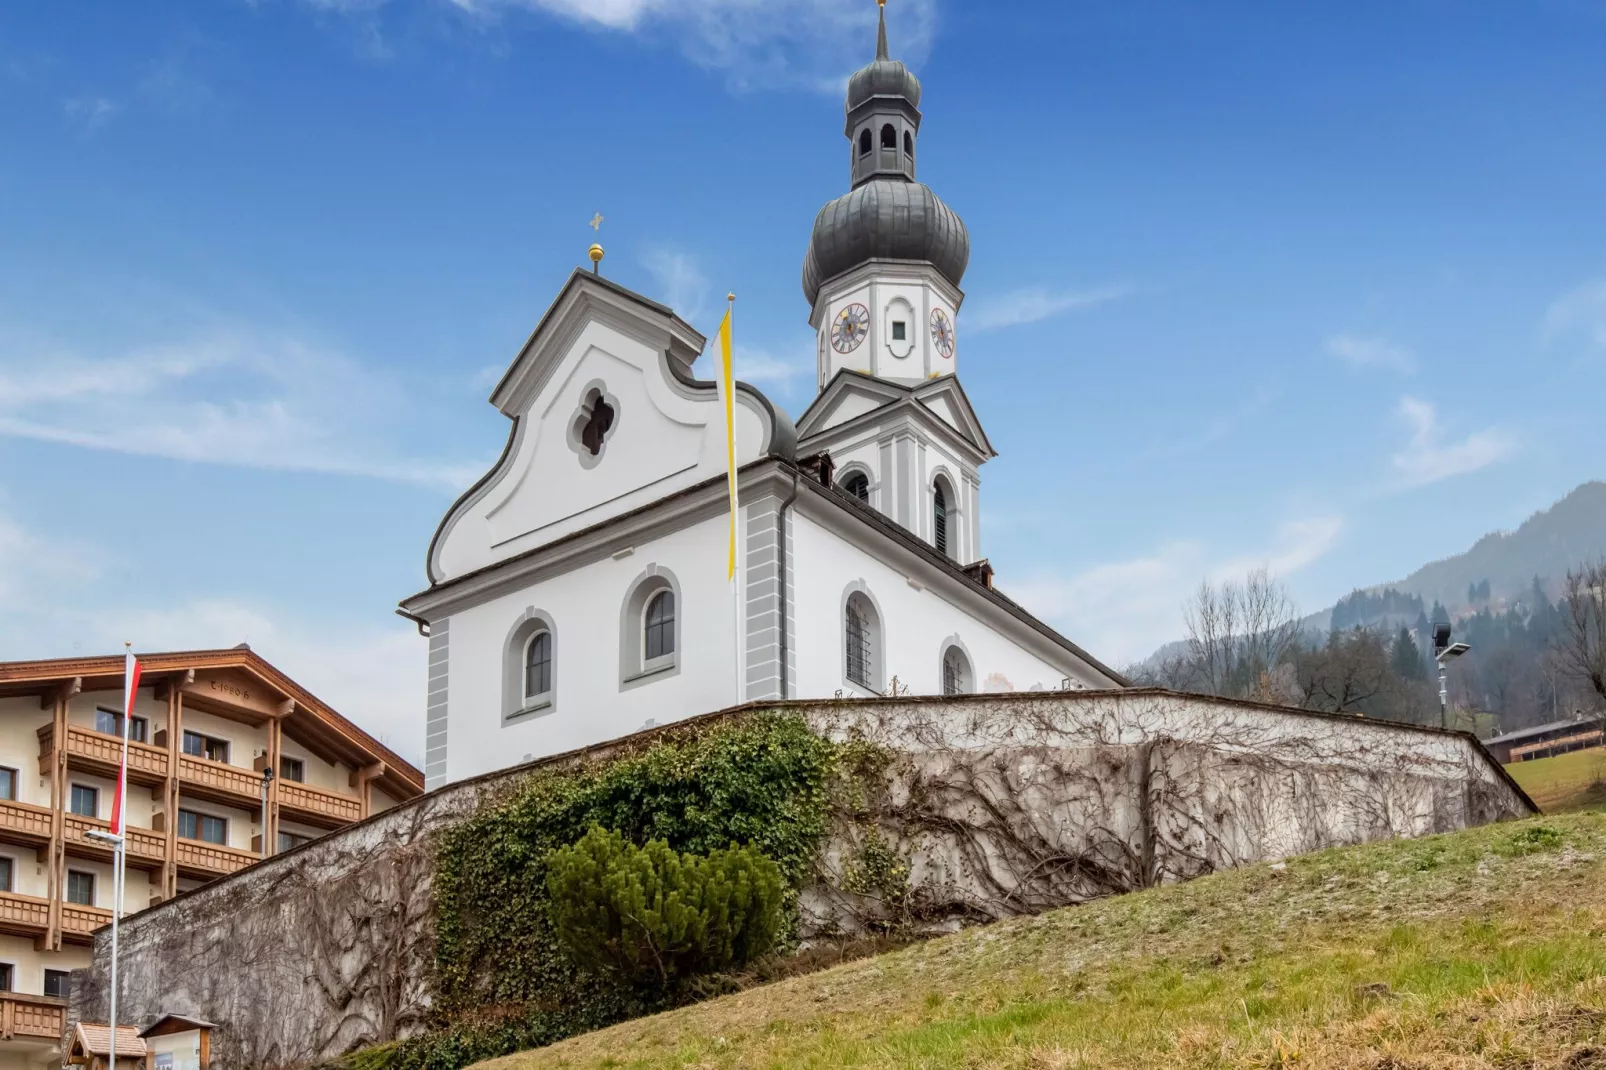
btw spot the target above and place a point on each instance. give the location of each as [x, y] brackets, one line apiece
[578, 591]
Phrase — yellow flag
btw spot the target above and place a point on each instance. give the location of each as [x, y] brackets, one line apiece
[727, 384]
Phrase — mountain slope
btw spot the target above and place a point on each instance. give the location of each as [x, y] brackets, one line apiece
[1476, 949]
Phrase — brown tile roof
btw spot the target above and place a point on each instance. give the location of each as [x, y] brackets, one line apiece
[95, 1038]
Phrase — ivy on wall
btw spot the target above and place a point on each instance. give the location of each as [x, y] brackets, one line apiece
[502, 980]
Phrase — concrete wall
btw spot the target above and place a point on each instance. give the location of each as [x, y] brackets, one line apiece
[327, 948]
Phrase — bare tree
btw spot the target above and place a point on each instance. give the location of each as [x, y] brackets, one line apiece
[1237, 634]
[1580, 643]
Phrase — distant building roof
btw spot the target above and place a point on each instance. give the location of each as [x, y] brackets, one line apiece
[174, 1023]
[1540, 729]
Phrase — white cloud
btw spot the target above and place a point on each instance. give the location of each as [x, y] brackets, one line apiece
[759, 366]
[1579, 313]
[1426, 459]
[1033, 304]
[90, 113]
[1372, 352]
[680, 281]
[227, 395]
[815, 43]
[1122, 611]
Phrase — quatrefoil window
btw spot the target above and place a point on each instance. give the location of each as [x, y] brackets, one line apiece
[593, 424]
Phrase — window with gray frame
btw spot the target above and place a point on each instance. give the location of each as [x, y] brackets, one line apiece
[658, 638]
[80, 888]
[538, 666]
[859, 654]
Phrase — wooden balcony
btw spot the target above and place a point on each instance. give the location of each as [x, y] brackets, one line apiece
[22, 822]
[24, 915]
[219, 781]
[197, 858]
[31, 1017]
[99, 753]
[318, 806]
[146, 848]
[78, 922]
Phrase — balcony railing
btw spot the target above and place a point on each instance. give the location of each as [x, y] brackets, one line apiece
[319, 805]
[31, 1017]
[98, 751]
[212, 859]
[144, 845]
[219, 779]
[20, 820]
[24, 913]
[78, 921]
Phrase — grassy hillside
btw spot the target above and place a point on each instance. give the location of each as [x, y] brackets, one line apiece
[1485, 948]
[1565, 782]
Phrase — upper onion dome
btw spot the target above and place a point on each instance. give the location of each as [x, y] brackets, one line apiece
[885, 219]
[887, 215]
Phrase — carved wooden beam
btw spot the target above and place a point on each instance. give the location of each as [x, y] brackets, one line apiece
[62, 692]
[174, 682]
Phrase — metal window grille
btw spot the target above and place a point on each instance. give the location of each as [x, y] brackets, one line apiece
[939, 520]
[660, 626]
[858, 646]
[953, 674]
[538, 665]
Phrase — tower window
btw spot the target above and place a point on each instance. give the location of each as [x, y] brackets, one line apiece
[900, 331]
[858, 485]
[908, 144]
[939, 518]
[864, 142]
[889, 137]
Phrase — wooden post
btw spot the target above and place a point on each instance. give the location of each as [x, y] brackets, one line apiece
[175, 747]
[59, 798]
[270, 824]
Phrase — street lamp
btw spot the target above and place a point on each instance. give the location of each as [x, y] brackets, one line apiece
[1445, 652]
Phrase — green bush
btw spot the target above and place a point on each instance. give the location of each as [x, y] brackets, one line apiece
[654, 917]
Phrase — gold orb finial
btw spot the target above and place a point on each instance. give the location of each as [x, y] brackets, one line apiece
[596, 253]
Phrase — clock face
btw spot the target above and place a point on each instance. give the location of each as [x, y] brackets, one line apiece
[849, 328]
[942, 332]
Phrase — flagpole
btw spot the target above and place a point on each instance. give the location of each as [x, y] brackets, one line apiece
[118, 840]
[738, 574]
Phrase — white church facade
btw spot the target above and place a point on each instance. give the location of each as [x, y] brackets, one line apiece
[578, 592]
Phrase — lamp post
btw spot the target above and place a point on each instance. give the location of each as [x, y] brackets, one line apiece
[267, 783]
[1445, 652]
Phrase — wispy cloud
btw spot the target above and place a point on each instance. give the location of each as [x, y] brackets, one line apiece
[1033, 304]
[680, 282]
[90, 113]
[1580, 313]
[1372, 352]
[224, 395]
[1427, 459]
[1122, 611]
[813, 43]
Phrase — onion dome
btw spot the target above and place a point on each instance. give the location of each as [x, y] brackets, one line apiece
[884, 77]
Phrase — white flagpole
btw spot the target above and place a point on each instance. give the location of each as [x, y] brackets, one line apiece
[119, 838]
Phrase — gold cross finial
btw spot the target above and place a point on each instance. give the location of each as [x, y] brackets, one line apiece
[596, 222]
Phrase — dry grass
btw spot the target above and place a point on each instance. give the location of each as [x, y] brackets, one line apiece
[1478, 949]
[1565, 782]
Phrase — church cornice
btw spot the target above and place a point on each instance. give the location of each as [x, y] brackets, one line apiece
[899, 400]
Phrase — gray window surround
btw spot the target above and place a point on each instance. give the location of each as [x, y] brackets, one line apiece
[634, 669]
[857, 468]
[516, 705]
[859, 591]
[595, 391]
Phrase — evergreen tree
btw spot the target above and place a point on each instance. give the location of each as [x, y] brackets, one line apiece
[1405, 658]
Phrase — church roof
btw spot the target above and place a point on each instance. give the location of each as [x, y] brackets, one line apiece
[964, 423]
[885, 219]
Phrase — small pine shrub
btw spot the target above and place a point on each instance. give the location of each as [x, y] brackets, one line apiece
[655, 918]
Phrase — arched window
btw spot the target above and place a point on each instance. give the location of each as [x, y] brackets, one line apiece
[956, 675]
[529, 674]
[858, 485]
[658, 627]
[649, 629]
[864, 142]
[908, 144]
[939, 516]
[538, 667]
[862, 666]
[889, 137]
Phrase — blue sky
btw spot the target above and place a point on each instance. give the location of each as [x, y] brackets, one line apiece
[1319, 286]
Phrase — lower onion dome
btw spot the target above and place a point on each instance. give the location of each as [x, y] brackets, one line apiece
[885, 219]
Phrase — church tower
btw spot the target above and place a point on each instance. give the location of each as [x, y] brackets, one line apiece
[885, 261]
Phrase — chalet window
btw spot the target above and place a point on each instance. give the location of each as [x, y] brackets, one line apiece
[5, 875]
[538, 666]
[85, 801]
[6, 971]
[659, 624]
[57, 983]
[292, 769]
[205, 827]
[110, 722]
[200, 746]
[8, 783]
[858, 485]
[80, 888]
[288, 840]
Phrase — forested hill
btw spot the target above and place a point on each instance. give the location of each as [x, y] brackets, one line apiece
[1501, 567]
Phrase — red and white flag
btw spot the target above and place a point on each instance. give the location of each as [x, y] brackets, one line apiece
[131, 672]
